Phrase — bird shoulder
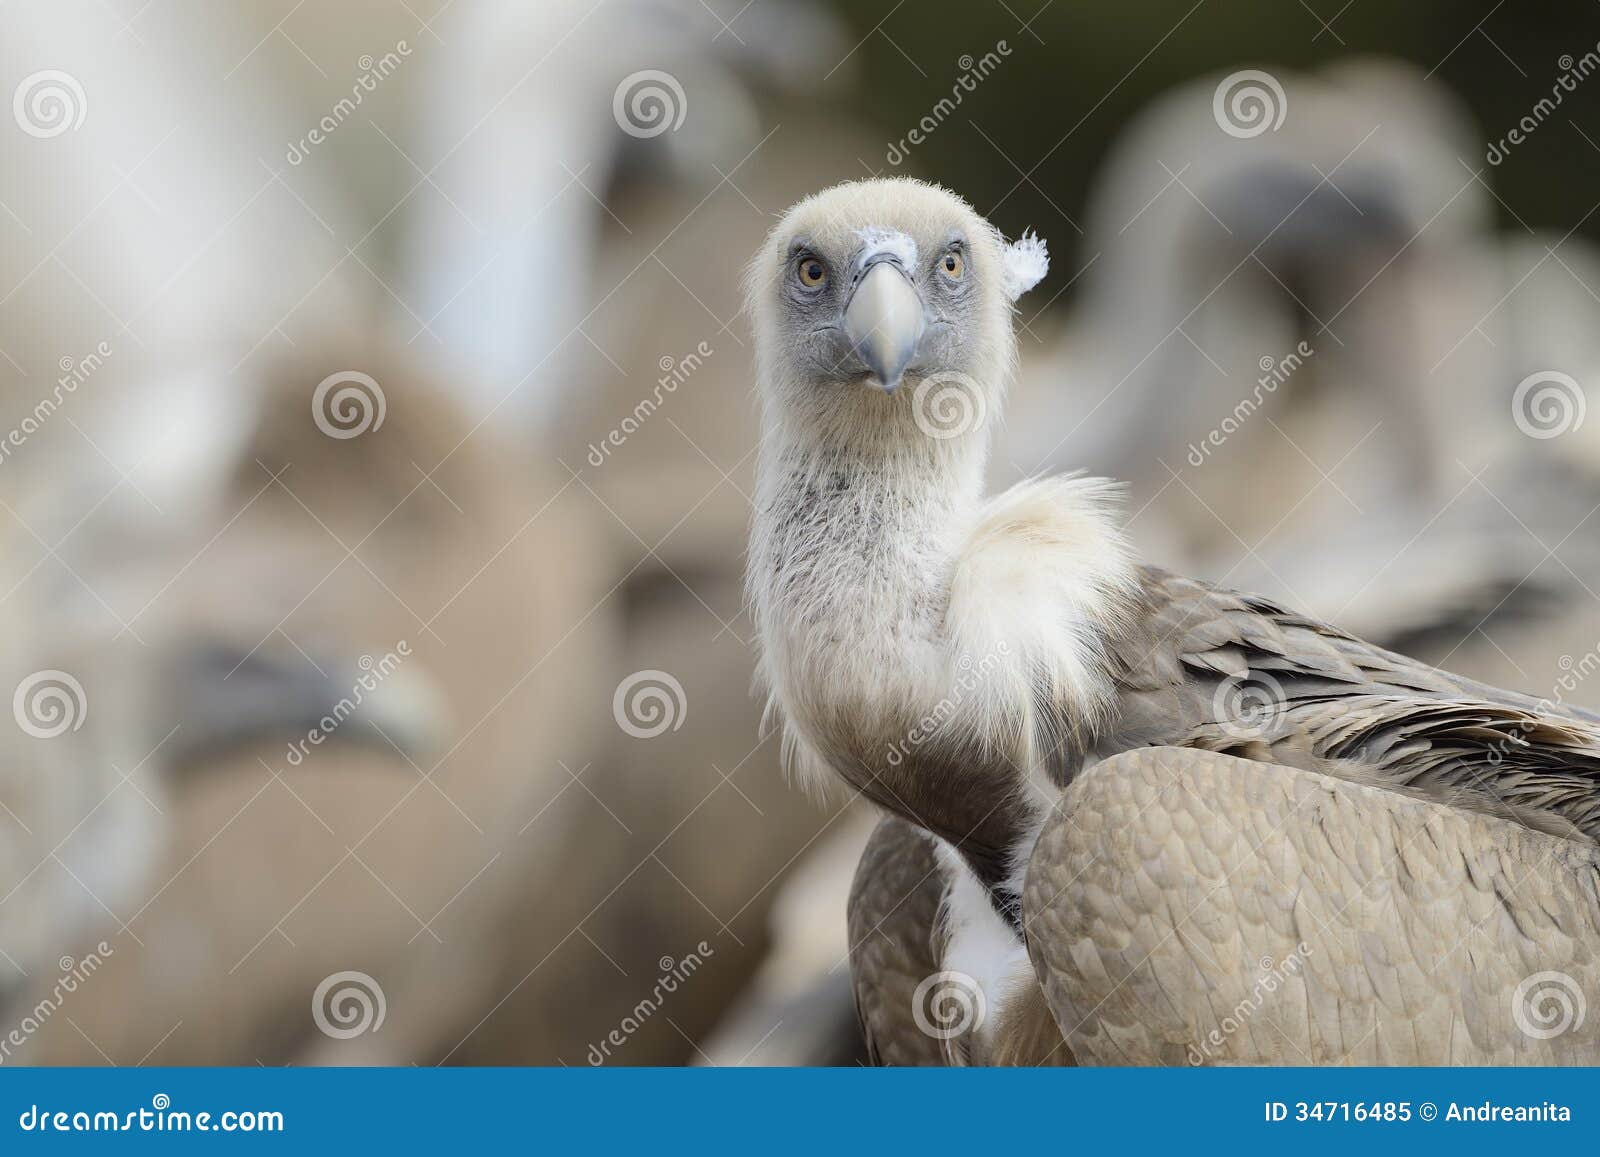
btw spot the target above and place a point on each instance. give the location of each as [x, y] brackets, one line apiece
[1044, 581]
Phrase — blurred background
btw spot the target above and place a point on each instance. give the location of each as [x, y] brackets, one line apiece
[377, 436]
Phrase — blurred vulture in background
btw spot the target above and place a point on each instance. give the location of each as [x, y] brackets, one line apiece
[1494, 577]
[139, 267]
[1341, 321]
[372, 679]
[1210, 256]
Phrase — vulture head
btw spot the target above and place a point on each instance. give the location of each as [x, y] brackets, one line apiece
[874, 286]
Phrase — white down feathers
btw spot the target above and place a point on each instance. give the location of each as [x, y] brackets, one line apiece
[1043, 572]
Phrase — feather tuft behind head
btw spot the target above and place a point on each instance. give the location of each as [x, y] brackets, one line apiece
[1027, 260]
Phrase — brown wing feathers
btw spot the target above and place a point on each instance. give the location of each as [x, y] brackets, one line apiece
[894, 908]
[1215, 669]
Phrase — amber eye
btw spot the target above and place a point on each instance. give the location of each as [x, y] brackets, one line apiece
[813, 274]
[952, 265]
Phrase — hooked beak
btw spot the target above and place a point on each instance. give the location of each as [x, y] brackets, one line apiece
[884, 322]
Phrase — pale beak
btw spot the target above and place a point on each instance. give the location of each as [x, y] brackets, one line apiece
[884, 322]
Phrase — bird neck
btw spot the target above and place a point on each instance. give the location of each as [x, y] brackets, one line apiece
[851, 562]
[859, 541]
[851, 558]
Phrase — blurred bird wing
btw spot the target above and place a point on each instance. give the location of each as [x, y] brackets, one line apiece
[893, 920]
[1185, 906]
[1215, 669]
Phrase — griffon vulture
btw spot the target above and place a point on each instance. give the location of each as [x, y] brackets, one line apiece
[372, 675]
[1121, 782]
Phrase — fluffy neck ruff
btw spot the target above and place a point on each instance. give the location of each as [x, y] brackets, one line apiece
[945, 655]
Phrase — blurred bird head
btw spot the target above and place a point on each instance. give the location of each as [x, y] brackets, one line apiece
[874, 286]
[1320, 242]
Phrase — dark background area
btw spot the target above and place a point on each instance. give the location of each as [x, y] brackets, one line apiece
[1079, 72]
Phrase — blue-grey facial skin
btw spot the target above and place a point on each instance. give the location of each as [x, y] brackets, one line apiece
[814, 317]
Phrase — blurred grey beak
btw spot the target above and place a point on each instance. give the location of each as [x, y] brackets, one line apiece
[884, 322]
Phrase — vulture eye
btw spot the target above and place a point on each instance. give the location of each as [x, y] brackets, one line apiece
[813, 274]
[952, 266]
